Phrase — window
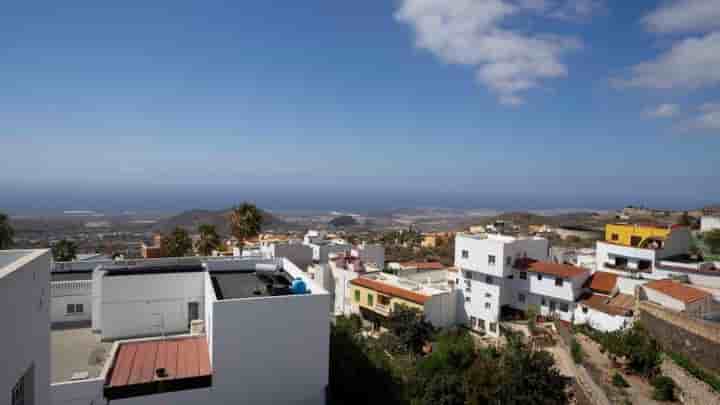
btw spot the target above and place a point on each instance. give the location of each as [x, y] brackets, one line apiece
[481, 324]
[487, 305]
[564, 307]
[465, 254]
[543, 302]
[614, 236]
[467, 283]
[491, 260]
[511, 276]
[523, 275]
[468, 274]
[539, 276]
[473, 321]
[508, 260]
[585, 310]
[357, 295]
[635, 240]
[370, 300]
[467, 298]
[493, 326]
[559, 282]
[74, 309]
[489, 279]
[488, 295]
[383, 300]
[521, 298]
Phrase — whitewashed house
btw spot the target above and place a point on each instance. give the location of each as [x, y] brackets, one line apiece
[678, 297]
[603, 307]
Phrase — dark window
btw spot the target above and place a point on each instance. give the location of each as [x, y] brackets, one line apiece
[523, 275]
[465, 254]
[488, 279]
[467, 299]
[635, 240]
[370, 300]
[539, 276]
[521, 298]
[508, 260]
[564, 307]
[543, 302]
[487, 305]
[357, 295]
[70, 309]
[491, 260]
[585, 310]
[559, 282]
[614, 236]
[493, 327]
[511, 276]
[644, 265]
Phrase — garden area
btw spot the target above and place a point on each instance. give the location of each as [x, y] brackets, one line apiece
[412, 363]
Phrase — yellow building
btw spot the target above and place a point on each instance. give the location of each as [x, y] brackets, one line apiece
[634, 234]
[376, 296]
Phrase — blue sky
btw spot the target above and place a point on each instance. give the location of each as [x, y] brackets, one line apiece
[498, 102]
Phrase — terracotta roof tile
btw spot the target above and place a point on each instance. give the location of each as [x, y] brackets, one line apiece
[602, 282]
[384, 288]
[677, 290]
[554, 269]
[423, 265]
[602, 303]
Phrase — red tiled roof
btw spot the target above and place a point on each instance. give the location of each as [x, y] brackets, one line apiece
[554, 269]
[137, 362]
[423, 265]
[602, 282]
[602, 303]
[677, 290]
[381, 287]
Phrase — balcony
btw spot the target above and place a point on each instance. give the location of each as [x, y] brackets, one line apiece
[625, 267]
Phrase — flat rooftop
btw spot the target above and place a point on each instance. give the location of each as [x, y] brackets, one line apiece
[76, 351]
[12, 259]
[9, 257]
[246, 284]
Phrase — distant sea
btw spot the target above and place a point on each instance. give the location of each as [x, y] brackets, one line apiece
[169, 200]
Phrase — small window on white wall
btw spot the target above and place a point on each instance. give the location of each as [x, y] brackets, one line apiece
[465, 254]
[487, 305]
[74, 309]
[521, 298]
[491, 260]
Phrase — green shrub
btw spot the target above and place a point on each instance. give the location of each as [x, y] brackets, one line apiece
[664, 388]
[619, 381]
[710, 379]
[577, 352]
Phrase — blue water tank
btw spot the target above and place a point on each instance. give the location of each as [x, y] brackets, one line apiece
[298, 286]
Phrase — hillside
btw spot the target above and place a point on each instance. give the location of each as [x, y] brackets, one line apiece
[193, 218]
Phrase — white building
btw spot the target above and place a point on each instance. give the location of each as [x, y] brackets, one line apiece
[709, 223]
[195, 330]
[678, 297]
[603, 307]
[486, 275]
[70, 297]
[25, 339]
[371, 254]
[301, 255]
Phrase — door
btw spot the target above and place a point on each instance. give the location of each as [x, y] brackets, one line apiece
[552, 307]
[193, 312]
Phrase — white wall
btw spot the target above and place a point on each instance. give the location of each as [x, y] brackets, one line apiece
[271, 350]
[140, 305]
[600, 320]
[301, 255]
[371, 253]
[708, 223]
[25, 339]
[678, 242]
[440, 310]
[210, 300]
[664, 300]
[85, 392]
[70, 292]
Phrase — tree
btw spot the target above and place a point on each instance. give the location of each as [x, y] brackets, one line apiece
[411, 328]
[177, 243]
[663, 388]
[6, 232]
[684, 219]
[64, 251]
[245, 222]
[209, 240]
[515, 375]
[712, 240]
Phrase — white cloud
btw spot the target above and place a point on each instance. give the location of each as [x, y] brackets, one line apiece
[467, 32]
[690, 63]
[709, 117]
[663, 111]
[684, 16]
[576, 9]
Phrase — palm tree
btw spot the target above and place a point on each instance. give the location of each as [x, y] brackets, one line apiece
[177, 243]
[245, 222]
[64, 251]
[209, 239]
[6, 232]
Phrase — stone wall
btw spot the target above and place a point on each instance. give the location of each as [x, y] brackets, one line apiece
[696, 339]
[694, 391]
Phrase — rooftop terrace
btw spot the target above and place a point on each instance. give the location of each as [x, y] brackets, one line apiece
[76, 352]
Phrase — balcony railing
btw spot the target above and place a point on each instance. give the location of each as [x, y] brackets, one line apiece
[626, 268]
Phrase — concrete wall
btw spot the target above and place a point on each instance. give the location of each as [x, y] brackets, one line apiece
[371, 253]
[301, 255]
[678, 242]
[148, 304]
[86, 392]
[664, 300]
[25, 339]
[70, 292]
[440, 310]
[698, 340]
[693, 391]
[271, 350]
